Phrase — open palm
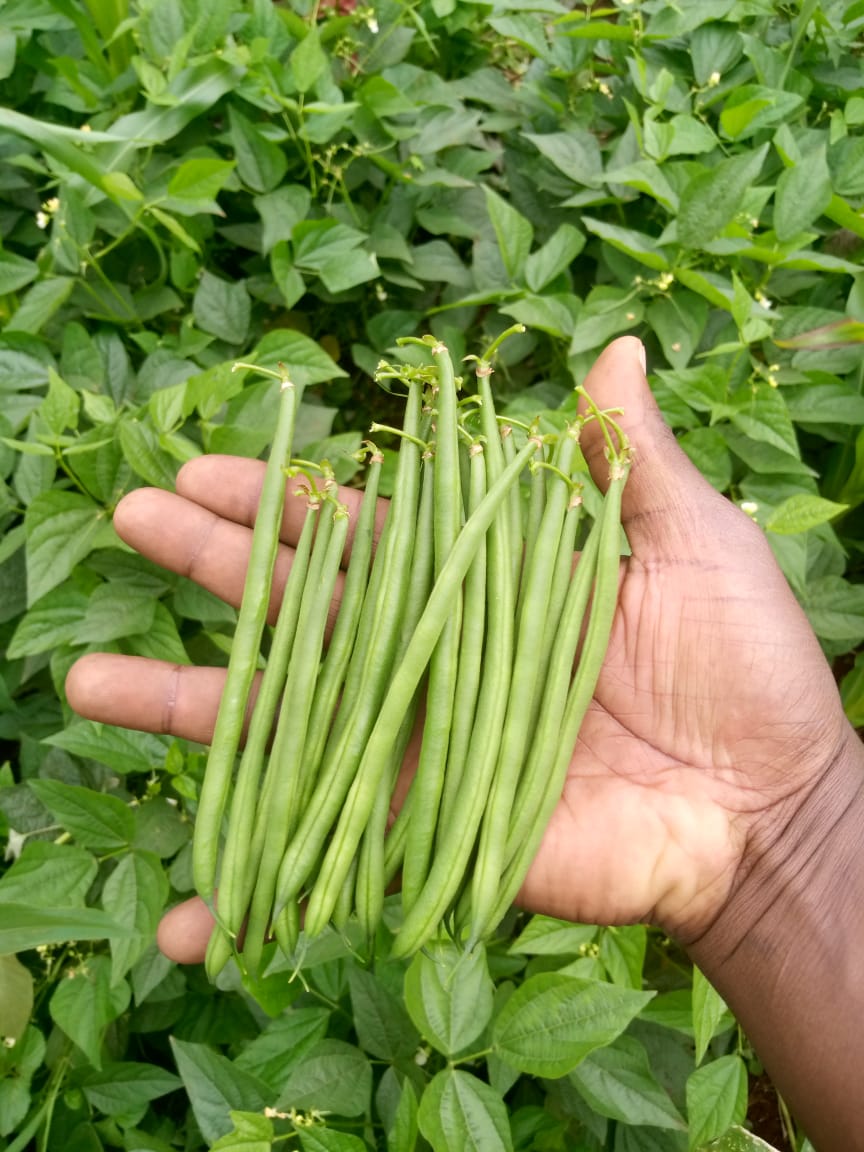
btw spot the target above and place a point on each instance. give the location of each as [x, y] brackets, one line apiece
[714, 716]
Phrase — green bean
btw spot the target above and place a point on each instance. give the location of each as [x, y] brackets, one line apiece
[536, 504]
[561, 578]
[244, 653]
[470, 650]
[283, 783]
[344, 635]
[361, 796]
[457, 840]
[370, 882]
[443, 665]
[514, 505]
[536, 585]
[344, 753]
[527, 833]
[239, 864]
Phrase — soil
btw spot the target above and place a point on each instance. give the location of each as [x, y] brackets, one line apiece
[764, 1114]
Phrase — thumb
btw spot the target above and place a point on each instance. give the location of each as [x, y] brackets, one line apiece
[669, 509]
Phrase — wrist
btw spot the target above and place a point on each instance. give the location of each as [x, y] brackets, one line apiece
[787, 951]
[794, 859]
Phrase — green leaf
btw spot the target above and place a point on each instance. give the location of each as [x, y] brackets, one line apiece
[575, 153]
[545, 936]
[60, 407]
[708, 449]
[513, 232]
[835, 609]
[763, 415]
[712, 199]
[308, 61]
[617, 1082]
[555, 257]
[215, 1086]
[334, 1077]
[85, 1003]
[709, 1013]
[51, 621]
[40, 304]
[802, 512]
[716, 1098]
[383, 1027]
[402, 1133]
[94, 819]
[283, 1044]
[48, 875]
[739, 1140]
[141, 449]
[15, 272]
[134, 895]
[449, 995]
[116, 610]
[551, 1022]
[222, 309]
[16, 997]
[802, 195]
[61, 527]
[622, 953]
[23, 926]
[201, 179]
[120, 749]
[636, 244]
[347, 270]
[249, 1133]
[123, 1087]
[306, 361]
[330, 1140]
[261, 163]
[459, 1113]
[606, 314]
[753, 107]
[544, 313]
[280, 211]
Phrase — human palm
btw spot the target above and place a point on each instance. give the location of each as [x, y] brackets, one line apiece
[715, 712]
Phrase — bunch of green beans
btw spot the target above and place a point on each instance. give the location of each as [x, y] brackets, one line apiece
[468, 612]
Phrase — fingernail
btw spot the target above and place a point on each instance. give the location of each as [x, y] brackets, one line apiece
[643, 358]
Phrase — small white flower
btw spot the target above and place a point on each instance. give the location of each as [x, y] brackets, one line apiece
[750, 507]
[9, 1041]
[714, 79]
[42, 220]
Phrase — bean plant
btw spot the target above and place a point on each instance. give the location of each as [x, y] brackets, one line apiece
[185, 187]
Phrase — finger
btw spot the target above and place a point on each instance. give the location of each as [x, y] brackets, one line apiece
[149, 695]
[669, 508]
[183, 932]
[231, 486]
[184, 537]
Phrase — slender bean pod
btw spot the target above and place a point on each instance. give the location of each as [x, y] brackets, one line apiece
[443, 665]
[239, 860]
[344, 754]
[244, 653]
[342, 641]
[361, 796]
[600, 619]
[536, 586]
[284, 785]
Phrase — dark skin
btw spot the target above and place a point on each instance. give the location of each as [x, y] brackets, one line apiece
[716, 785]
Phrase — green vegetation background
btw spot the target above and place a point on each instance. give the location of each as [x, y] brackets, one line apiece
[183, 184]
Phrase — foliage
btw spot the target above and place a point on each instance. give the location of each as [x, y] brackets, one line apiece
[183, 184]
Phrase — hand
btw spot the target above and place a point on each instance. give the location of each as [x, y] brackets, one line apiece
[714, 717]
